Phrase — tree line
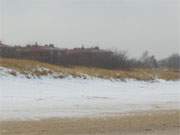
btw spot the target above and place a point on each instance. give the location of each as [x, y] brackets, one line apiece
[90, 57]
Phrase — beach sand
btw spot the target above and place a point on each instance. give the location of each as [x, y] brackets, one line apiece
[139, 123]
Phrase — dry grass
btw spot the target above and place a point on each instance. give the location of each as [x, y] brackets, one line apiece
[27, 67]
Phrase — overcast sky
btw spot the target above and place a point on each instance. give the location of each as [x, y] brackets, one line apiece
[132, 25]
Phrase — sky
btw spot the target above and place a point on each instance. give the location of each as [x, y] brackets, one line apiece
[130, 25]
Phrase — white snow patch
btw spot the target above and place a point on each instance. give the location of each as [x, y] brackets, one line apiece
[22, 98]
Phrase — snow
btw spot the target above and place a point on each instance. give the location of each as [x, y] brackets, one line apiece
[22, 98]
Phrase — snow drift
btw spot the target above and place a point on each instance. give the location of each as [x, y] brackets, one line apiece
[22, 98]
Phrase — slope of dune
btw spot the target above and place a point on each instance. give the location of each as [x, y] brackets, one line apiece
[35, 69]
[24, 98]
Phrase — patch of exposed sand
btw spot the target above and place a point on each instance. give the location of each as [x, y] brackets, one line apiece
[145, 123]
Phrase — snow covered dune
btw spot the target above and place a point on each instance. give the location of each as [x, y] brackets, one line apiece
[22, 98]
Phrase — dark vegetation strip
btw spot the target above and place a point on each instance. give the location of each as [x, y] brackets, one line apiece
[90, 57]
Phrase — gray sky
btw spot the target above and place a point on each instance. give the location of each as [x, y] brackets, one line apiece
[132, 25]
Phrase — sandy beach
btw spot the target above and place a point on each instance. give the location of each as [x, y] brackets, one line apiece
[94, 106]
[140, 123]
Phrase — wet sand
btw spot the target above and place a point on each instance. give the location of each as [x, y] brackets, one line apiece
[141, 123]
